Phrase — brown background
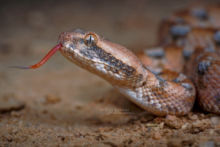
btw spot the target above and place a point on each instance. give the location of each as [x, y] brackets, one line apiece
[67, 105]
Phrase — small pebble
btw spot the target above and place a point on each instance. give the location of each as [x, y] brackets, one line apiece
[207, 144]
[15, 114]
[211, 132]
[174, 143]
[161, 125]
[51, 99]
[193, 117]
[151, 125]
[185, 126]
[156, 136]
[215, 121]
[201, 125]
[173, 122]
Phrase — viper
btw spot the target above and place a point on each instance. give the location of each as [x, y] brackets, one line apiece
[182, 69]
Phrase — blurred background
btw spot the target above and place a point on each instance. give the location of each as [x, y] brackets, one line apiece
[29, 29]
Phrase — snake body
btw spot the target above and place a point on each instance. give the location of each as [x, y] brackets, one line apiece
[195, 35]
[123, 69]
[164, 80]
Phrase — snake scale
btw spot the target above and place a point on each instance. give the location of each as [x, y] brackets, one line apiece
[167, 79]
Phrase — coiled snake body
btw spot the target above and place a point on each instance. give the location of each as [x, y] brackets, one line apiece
[154, 79]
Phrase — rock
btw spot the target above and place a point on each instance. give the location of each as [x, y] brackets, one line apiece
[151, 125]
[51, 99]
[215, 120]
[211, 132]
[174, 143]
[193, 116]
[207, 144]
[186, 126]
[9, 103]
[156, 136]
[161, 125]
[200, 125]
[173, 122]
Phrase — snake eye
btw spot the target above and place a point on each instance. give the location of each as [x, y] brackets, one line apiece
[90, 39]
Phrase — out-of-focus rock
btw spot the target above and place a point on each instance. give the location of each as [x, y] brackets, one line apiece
[157, 136]
[207, 144]
[9, 103]
[173, 122]
[215, 120]
[51, 99]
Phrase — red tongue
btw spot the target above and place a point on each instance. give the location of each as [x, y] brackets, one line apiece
[44, 60]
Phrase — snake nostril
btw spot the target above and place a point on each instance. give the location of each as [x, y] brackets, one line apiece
[68, 45]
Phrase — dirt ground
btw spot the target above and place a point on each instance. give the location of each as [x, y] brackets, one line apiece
[61, 104]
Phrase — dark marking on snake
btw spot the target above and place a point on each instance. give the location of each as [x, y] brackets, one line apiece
[209, 49]
[109, 59]
[187, 54]
[217, 97]
[169, 108]
[187, 86]
[179, 31]
[203, 67]
[180, 20]
[156, 53]
[201, 14]
[139, 77]
[161, 80]
[81, 41]
[217, 37]
[87, 54]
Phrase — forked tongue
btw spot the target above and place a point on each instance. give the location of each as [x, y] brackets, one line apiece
[42, 61]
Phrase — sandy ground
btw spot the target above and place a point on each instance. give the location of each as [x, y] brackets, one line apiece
[63, 105]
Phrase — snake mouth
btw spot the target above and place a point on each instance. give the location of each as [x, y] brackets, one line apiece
[43, 60]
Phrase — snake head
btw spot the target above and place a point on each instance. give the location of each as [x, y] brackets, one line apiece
[80, 47]
[92, 52]
[100, 56]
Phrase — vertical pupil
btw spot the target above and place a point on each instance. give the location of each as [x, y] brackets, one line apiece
[90, 38]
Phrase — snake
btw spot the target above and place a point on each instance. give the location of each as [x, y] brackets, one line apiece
[182, 69]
